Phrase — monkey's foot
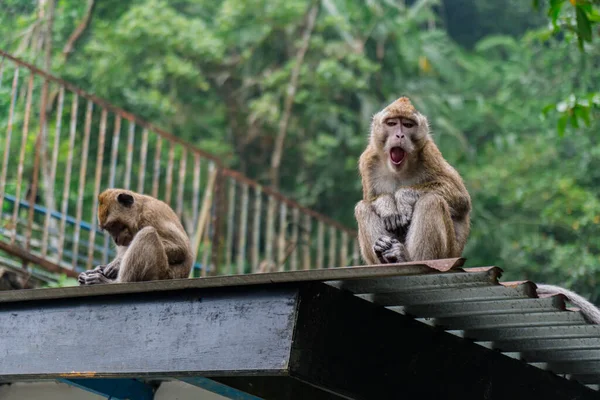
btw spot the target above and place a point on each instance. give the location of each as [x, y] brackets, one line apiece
[92, 278]
[389, 250]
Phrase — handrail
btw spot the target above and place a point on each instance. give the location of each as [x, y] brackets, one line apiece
[250, 227]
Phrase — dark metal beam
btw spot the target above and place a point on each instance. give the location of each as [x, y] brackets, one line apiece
[153, 334]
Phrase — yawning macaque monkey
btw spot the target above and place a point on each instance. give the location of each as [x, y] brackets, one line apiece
[415, 205]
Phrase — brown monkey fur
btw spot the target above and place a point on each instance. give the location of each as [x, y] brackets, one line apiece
[151, 242]
[415, 205]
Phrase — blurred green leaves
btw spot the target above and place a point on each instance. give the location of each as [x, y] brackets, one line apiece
[216, 74]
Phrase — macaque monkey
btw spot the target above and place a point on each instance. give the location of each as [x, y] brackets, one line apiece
[151, 242]
[415, 205]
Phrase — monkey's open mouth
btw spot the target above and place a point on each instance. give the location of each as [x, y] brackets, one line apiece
[397, 155]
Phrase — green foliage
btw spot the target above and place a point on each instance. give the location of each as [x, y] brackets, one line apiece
[63, 281]
[578, 18]
[217, 73]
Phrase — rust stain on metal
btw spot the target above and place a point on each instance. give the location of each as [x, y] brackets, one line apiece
[75, 374]
[514, 283]
[481, 269]
[446, 264]
[530, 288]
[442, 265]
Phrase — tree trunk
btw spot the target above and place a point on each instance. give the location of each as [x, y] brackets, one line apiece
[49, 28]
[311, 17]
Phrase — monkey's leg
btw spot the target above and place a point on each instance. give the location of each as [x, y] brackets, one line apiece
[373, 237]
[431, 233]
[111, 271]
[145, 259]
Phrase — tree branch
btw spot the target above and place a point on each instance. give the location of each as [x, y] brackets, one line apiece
[291, 95]
[48, 38]
[68, 48]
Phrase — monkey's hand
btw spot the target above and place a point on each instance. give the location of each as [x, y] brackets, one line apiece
[92, 278]
[112, 270]
[385, 207]
[389, 250]
[82, 276]
[405, 203]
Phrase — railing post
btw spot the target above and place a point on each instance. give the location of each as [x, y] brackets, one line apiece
[36, 166]
[21, 165]
[220, 210]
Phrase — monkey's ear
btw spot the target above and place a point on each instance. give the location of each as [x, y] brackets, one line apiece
[125, 199]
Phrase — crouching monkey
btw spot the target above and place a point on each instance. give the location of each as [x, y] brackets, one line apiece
[151, 242]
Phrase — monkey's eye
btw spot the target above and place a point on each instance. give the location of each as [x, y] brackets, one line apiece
[408, 124]
[391, 122]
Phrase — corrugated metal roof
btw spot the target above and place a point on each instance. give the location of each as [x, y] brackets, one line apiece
[508, 317]
[467, 302]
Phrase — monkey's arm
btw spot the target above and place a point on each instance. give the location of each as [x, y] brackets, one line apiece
[405, 200]
[376, 244]
[112, 269]
[385, 207]
[101, 274]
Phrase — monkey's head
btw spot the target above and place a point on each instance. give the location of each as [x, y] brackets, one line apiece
[399, 132]
[118, 214]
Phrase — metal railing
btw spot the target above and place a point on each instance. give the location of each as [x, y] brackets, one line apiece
[60, 147]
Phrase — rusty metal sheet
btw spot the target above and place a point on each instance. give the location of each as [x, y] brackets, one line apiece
[575, 367]
[535, 332]
[562, 355]
[512, 306]
[557, 318]
[394, 284]
[332, 274]
[588, 379]
[548, 344]
[454, 295]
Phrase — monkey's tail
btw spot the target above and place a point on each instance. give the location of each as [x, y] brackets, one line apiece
[589, 311]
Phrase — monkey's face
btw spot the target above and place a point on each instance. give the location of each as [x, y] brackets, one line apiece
[399, 132]
[118, 213]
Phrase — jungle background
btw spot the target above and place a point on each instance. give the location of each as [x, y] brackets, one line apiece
[284, 91]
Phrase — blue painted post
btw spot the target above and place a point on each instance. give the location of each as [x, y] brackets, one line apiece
[219, 388]
[113, 389]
